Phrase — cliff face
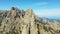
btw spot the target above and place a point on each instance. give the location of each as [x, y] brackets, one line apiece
[18, 21]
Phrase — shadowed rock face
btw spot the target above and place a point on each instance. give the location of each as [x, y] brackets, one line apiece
[18, 21]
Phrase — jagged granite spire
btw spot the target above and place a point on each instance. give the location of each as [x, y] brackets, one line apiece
[14, 8]
[29, 11]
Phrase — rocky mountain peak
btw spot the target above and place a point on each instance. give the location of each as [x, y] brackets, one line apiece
[13, 8]
[18, 21]
[30, 10]
[14, 11]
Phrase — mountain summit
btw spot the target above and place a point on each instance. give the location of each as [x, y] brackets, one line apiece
[17, 21]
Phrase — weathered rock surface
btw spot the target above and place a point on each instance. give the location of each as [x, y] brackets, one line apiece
[18, 21]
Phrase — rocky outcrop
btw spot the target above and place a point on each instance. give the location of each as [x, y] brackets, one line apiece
[18, 21]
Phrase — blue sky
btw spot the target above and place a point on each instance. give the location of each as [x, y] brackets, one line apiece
[42, 8]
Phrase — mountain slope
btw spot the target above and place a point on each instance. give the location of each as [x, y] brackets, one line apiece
[18, 21]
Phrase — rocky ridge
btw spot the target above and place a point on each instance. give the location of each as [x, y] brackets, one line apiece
[18, 21]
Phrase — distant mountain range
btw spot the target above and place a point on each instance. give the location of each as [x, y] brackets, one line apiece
[49, 19]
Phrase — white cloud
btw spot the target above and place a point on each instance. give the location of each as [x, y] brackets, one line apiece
[48, 12]
[41, 3]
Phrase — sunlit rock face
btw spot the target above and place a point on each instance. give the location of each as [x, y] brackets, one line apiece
[17, 21]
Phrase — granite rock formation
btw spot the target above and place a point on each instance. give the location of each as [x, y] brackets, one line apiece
[17, 21]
